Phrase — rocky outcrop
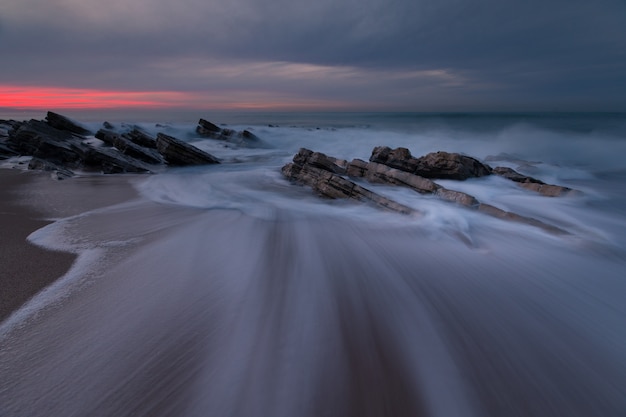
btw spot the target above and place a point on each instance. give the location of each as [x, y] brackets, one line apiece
[533, 184]
[331, 185]
[441, 165]
[59, 145]
[126, 145]
[64, 123]
[244, 138]
[45, 142]
[323, 174]
[57, 172]
[320, 160]
[177, 152]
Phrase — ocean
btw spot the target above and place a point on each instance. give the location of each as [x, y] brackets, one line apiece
[226, 290]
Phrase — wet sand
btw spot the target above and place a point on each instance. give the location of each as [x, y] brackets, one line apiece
[27, 200]
[24, 268]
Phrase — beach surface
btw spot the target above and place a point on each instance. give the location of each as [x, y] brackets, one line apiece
[29, 201]
[24, 268]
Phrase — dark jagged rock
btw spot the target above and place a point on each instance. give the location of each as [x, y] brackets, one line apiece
[111, 161]
[141, 138]
[108, 126]
[107, 136]
[208, 129]
[244, 138]
[148, 155]
[41, 140]
[125, 145]
[441, 165]
[64, 123]
[177, 152]
[65, 149]
[330, 185]
[533, 184]
[57, 172]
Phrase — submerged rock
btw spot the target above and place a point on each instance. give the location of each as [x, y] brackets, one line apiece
[244, 138]
[177, 152]
[533, 184]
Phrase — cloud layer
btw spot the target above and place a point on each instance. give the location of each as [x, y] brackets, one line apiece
[385, 54]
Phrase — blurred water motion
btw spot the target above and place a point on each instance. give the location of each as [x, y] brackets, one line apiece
[236, 315]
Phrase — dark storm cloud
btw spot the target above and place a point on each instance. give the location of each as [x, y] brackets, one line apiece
[497, 51]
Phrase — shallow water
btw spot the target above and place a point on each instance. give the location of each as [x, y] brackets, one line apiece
[226, 290]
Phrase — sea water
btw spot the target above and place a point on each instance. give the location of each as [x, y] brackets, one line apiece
[227, 290]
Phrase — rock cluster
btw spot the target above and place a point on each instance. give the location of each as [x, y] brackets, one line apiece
[325, 175]
[61, 145]
[245, 138]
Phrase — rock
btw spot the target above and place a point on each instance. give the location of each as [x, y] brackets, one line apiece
[63, 123]
[177, 152]
[452, 166]
[549, 190]
[492, 211]
[330, 185]
[57, 172]
[111, 161]
[513, 175]
[127, 146]
[320, 160]
[379, 173]
[107, 136]
[108, 126]
[319, 172]
[533, 184]
[399, 158]
[66, 150]
[244, 138]
[208, 129]
[457, 197]
[138, 137]
[43, 141]
[441, 165]
[148, 155]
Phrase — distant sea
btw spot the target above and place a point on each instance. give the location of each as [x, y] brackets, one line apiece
[236, 293]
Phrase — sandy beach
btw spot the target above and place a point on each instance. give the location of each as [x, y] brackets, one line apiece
[27, 201]
[24, 268]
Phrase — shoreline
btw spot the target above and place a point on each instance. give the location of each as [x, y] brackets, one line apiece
[28, 200]
[25, 268]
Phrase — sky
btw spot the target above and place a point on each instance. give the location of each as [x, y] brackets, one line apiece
[353, 55]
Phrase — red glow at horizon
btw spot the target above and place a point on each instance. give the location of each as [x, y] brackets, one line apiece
[73, 98]
[45, 98]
